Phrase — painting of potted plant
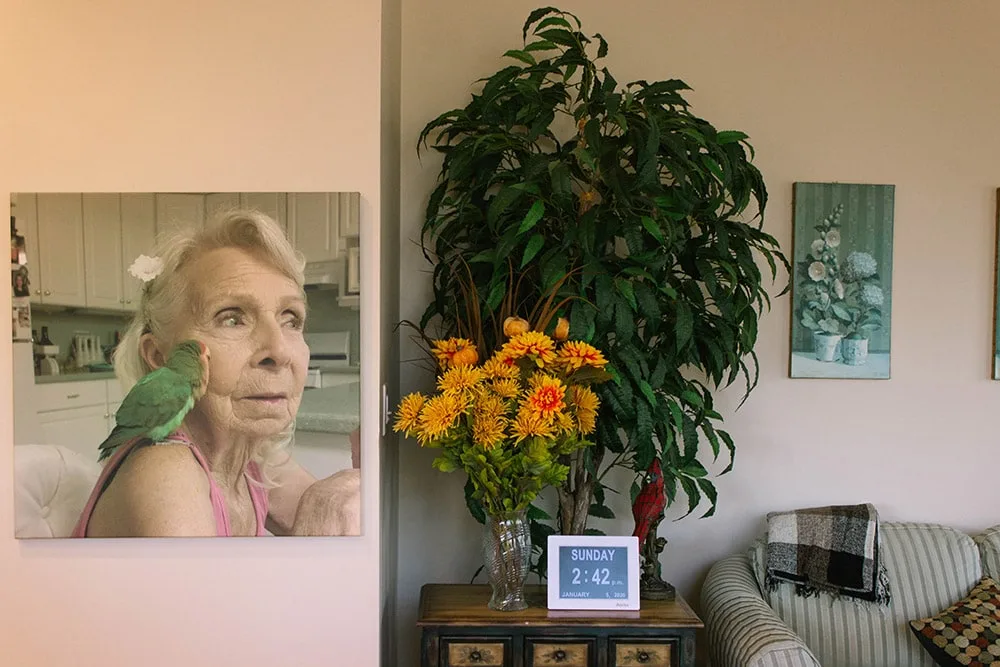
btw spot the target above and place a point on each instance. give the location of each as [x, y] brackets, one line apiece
[841, 285]
[863, 302]
[822, 294]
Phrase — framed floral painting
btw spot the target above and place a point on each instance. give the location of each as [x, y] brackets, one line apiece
[842, 281]
[996, 307]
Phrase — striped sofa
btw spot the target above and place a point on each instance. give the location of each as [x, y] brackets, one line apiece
[929, 568]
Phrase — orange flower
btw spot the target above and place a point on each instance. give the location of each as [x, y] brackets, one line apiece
[562, 329]
[547, 395]
[531, 344]
[445, 351]
[515, 326]
[576, 354]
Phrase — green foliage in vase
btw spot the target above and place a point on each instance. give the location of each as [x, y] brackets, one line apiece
[555, 169]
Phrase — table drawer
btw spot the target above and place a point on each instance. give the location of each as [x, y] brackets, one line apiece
[64, 395]
[475, 651]
[634, 652]
[560, 652]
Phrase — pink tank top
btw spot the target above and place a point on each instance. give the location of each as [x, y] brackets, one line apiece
[258, 496]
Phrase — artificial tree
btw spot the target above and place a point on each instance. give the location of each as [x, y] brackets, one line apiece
[650, 218]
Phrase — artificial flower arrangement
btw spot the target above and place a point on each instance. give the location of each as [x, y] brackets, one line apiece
[511, 422]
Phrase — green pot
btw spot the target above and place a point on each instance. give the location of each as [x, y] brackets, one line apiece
[825, 345]
[854, 351]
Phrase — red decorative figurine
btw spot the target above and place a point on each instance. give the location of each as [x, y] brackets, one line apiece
[647, 510]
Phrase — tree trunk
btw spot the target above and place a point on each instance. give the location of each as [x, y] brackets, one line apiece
[575, 496]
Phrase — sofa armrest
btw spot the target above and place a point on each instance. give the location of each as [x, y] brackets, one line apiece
[743, 631]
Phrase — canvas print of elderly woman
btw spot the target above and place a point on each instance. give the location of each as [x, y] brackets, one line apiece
[236, 290]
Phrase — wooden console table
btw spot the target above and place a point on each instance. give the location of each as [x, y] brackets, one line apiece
[459, 630]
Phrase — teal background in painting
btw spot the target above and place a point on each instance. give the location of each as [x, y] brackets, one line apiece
[865, 226]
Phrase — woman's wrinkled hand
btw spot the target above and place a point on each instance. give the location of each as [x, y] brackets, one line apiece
[331, 506]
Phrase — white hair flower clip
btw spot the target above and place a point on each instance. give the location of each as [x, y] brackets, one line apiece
[146, 268]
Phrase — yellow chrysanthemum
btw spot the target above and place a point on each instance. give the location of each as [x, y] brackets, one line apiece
[576, 354]
[500, 367]
[409, 412]
[586, 421]
[459, 379]
[488, 432]
[547, 394]
[584, 398]
[446, 351]
[439, 414]
[530, 423]
[506, 388]
[489, 406]
[565, 423]
[533, 344]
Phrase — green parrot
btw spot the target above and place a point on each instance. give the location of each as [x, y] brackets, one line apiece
[159, 401]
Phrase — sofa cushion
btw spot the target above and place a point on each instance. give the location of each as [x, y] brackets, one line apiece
[989, 548]
[929, 567]
[966, 633]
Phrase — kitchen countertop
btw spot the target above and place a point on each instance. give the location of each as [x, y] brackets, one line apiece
[331, 409]
[74, 377]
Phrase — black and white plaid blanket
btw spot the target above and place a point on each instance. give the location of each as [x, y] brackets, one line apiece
[833, 549]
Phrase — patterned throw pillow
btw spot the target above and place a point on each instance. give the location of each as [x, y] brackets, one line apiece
[966, 633]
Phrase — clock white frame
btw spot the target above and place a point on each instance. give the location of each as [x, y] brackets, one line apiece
[590, 541]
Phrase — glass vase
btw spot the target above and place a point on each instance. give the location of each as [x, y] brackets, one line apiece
[507, 557]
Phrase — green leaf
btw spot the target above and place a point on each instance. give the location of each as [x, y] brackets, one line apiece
[536, 513]
[653, 228]
[625, 289]
[523, 56]
[685, 324]
[534, 245]
[648, 392]
[711, 493]
[532, 217]
[496, 296]
[601, 512]
[729, 137]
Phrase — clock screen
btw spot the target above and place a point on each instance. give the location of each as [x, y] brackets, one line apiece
[593, 573]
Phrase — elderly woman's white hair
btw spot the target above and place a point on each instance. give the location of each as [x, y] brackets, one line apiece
[164, 298]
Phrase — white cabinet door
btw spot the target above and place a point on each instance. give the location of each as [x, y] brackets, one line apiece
[102, 247]
[185, 211]
[138, 238]
[60, 249]
[218, 202]
[79, 429]
[313, 225]
[26, 213]
[272, 204]
[350, 214]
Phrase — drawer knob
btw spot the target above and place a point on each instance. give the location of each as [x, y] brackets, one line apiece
[72, 395]
[641, 656]
[475, 656]
[559, 655]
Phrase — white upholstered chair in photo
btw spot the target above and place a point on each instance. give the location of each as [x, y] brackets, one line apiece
[51, 486]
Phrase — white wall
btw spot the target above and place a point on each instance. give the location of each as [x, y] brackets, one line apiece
[896, 91]
[194, 96]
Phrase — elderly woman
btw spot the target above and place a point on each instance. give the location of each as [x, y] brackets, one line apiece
[238, 288]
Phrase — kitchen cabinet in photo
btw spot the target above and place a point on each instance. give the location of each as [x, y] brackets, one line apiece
[52, 226]
[272, 204]
[76, 415]
[313, 226]
[117, 229]
[179, 210]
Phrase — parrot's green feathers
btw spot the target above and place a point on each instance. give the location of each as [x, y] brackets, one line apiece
[159, 401]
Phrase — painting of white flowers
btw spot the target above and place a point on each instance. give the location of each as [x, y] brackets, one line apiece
[842, 282]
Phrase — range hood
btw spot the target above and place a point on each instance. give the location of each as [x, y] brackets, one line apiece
[323, 275]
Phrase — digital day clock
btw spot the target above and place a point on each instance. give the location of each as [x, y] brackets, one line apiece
[593, 572]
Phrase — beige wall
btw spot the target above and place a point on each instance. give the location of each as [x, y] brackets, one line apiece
[194, 96]
[895, 91]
